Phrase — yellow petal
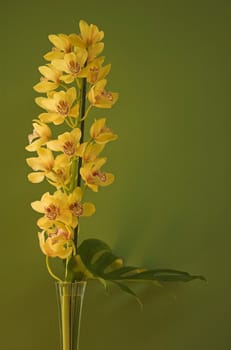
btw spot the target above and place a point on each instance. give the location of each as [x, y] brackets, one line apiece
[71, 95]
[104, 71]
[59, 41]
[42, 130]
[115, 97]
[34, 146]
[109, 180]
[76, 134]
[94, 51]
[81, 56]
[44, 223]
[54, 145]
[62, 252]
[100, 85]
[51, 118]
[93, 187]
[38, 206]
[65, 217]
[67, 78]
[39, 101]
[35, 163]
[74, 112]
[36, 177]
[99, 163]
[48, 72]
[48, 103]
[106, 137]
[76, 40]
[60, 65]
[53, 55]
[81, 149]
[76, 195]
[84, 27]
[75, 221]
[88, 209]
[45, 86]
[46, 155]
[92, 152]
[97, 126]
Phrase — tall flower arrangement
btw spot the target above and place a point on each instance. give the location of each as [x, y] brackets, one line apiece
[73, 84]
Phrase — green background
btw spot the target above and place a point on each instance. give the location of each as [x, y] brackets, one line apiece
[170, 204]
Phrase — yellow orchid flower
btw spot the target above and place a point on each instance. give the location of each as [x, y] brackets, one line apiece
[54, 208]
[89, 38]
[62, 44]
[42, 164]
[90, 151]
[57, 241]
[90, 34]
[100, 133]
[94, 71]
[58, 106]
[40, 135]
[94, 51]
[60, 174]
[93, 176]
[50, 80]
[100, 98]
[72, 64]
[67, 143]
[77, 209]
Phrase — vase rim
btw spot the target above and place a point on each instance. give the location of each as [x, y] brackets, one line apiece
[69, 283]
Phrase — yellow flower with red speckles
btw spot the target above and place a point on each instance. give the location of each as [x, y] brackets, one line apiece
[101, 98]
[55, 209]
[57, 241]
[73, 83]
[68, 143]
[100, 133]
[59, 106]
[77, 208]
[40, 135]
[50, 80]
[72, 64]
[93, 176]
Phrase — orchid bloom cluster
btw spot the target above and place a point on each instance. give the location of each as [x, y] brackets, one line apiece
[73, 83]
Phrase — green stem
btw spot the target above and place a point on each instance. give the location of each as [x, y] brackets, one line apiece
[49, 270]
[73, 174]
[86, 114]
[83, 89]
[65, 314]
[63, 86]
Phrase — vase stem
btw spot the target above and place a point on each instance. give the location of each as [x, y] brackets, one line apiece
[70, 300]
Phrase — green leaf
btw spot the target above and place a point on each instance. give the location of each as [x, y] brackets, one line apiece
[126, 289]
[99, 259]
[95, 260]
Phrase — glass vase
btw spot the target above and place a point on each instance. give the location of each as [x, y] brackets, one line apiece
[70, 300]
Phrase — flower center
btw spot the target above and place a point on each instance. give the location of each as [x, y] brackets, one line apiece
[76, 209]
[63, 108]
[69, 148]
[51, 212]
[107, 95]
[61, 174]
[106, 130]
[58, 233]
[74, 67]
[101, 176]
[94, 74]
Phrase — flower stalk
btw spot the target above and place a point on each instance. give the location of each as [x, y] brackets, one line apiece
[74, 84]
